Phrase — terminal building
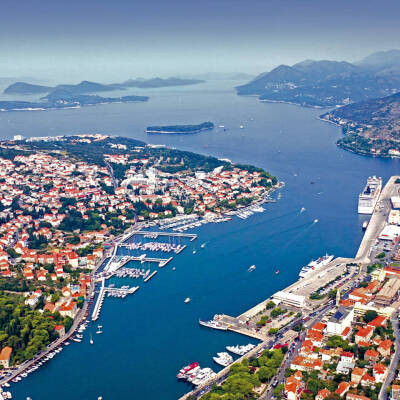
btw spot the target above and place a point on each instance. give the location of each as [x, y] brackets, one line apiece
[290, 299]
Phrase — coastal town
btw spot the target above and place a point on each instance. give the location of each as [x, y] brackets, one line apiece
[62, 219]
[333, 334]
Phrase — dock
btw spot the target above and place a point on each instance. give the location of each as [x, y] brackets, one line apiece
[150, 276]
[103, 290]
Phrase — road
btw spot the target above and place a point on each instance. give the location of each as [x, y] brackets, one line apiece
[110, 169]
[394, 361]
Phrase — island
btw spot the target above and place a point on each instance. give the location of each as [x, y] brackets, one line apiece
[370, 127]
[181, 129]
[25, 88]
[67, 201]
[328, 83]
[63, 99]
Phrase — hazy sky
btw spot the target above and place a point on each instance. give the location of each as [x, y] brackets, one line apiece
[117, 39]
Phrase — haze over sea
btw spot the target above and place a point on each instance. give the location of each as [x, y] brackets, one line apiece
[150, 335]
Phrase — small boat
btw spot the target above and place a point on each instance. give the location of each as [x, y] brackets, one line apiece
[315, 220]
[194, 251]
[302, 209]
[99, 326]
[99, 332]
[241, 126]
[173, 268]
[365, 225]
[277, 272]
[91, 340]
[203, 245]
[252, 268]
[187, 300]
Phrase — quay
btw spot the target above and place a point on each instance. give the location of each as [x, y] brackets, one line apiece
[150, 276]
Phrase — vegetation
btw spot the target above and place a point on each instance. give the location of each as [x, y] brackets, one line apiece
[27, 331]
[243, 379]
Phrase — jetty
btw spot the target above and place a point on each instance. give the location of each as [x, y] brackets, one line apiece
[150, 276]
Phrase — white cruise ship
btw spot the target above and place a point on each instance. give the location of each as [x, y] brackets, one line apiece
[370, 195]
[314, 266]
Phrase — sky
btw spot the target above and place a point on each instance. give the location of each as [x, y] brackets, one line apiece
[112, 40]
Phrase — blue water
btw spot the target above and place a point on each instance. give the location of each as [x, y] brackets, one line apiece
[150, 335]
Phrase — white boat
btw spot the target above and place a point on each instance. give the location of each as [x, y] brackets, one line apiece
[91, 340]
[314, 266]
[252, 268]
[240, 350]
[187, 300]
[203, 245]
[99, 331]
[365, 225]
[223, 359]
[213, 324]
[370, 195]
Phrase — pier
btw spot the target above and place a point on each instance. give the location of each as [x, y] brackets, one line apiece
[155, 235]
[150, 276]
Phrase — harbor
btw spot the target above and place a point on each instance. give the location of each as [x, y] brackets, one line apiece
[216, 279]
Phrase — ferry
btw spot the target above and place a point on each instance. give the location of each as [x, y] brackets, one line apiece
[214, 324]
[315, 265]
[370, 195]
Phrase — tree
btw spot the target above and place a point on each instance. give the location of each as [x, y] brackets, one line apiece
[370, 315]
[333, 396]
[266, 373]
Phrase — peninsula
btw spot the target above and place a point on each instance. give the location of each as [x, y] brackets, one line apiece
[182, 129]
[370, 127]
[328, 83]
[66, 200]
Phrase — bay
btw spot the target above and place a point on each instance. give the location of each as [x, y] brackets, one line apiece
[150, 335]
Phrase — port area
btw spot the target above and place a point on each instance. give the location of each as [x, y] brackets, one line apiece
[284, 318]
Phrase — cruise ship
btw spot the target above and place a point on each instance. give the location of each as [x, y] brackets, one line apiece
[315, 265]
[369, 197]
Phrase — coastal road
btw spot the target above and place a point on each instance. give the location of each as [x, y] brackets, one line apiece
[394, 362]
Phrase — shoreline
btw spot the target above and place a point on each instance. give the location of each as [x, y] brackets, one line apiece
[360, 259]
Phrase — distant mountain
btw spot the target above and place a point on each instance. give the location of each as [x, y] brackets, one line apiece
[89, 87]
[370, 127]
[160, 82]
[326, 83]
[26, 88]
[381, 60]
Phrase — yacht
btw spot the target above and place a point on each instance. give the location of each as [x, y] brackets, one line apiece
[223, 359]
[240, 350]
[213, 324]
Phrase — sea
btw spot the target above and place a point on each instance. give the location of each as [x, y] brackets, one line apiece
[149, 336]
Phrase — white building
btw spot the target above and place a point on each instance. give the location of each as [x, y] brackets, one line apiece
[342, 319]
[394, 217]
[390, 232]
[290, 299]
